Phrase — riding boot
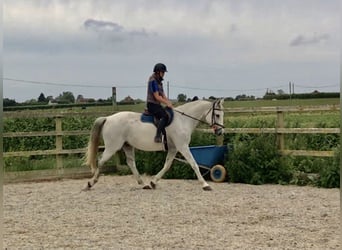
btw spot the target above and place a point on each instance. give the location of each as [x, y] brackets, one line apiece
[160, 129]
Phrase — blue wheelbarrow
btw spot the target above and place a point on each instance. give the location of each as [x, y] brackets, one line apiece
[210, 159]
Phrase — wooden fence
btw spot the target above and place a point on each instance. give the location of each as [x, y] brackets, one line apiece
[58, 133]
[281, 131]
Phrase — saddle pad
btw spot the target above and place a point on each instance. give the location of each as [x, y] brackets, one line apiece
[147, 118]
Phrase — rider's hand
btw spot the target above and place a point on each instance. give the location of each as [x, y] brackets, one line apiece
[169, 104]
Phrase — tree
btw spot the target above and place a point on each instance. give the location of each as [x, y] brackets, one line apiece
[79, 98]
[41, 98]
[9, 102]
[181, 98]
[49, 98]
[280, 92]
[229, 98]
[240, 97]
[31, 101]
[244, 97]
[66, 97]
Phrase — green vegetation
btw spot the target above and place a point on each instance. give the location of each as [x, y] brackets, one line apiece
[313, 95]
[288, 102]
[254, 158]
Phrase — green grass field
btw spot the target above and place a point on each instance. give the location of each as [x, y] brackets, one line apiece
[294, 102]
[228, 104]
[235, 104]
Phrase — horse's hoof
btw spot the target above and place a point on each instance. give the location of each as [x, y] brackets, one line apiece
[207, 188]
[86, 188]
[147, 187]
[153, 185]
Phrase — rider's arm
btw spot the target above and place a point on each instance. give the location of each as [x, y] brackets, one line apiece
[160, 98]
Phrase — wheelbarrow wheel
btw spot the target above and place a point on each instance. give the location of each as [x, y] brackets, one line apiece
[218, 173]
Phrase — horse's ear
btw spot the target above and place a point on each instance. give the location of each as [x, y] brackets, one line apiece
[218, 103]
[221, 101]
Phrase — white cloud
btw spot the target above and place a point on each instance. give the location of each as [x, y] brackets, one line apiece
[202, 41]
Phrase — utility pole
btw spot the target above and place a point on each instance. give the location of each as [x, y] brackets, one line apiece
[168, 89]
[290, 90]
[114, 97]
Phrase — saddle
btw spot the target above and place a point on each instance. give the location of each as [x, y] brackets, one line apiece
[149, 118]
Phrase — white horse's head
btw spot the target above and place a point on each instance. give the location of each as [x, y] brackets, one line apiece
[215, 117]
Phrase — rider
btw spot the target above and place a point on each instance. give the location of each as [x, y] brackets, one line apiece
[156, 97]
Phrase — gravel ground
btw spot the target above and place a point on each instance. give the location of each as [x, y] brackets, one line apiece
[118, 214]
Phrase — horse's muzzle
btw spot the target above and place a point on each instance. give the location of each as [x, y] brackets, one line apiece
[218, 130]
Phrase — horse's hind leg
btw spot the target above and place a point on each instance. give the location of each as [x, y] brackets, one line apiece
[169, 158]
[107, 154]
[130, 159]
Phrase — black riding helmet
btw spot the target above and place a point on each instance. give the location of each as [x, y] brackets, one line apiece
[159, 67]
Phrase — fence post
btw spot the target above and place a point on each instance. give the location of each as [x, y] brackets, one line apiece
[59, 143]
[280, 136]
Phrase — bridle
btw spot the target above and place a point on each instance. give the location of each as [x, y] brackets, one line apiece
[213, 120]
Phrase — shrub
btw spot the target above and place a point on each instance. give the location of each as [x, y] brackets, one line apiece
[255, 160]
[329, 175]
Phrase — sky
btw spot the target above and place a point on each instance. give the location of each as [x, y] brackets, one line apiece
[220, 48]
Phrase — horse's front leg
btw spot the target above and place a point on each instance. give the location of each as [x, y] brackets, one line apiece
[169, 158]
[185, 151]
[130, 159]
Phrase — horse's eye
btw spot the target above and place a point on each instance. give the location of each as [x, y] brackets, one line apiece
[217, 116]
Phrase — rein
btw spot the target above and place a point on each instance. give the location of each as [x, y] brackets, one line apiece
[213, 122]
[194, 118]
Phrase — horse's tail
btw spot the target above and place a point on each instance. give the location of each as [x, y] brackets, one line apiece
[93, 144]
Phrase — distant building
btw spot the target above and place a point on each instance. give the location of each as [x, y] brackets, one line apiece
[52, 102]
[81, 100]
[128, 100]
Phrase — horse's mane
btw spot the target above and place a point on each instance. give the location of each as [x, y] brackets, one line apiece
[187, 105]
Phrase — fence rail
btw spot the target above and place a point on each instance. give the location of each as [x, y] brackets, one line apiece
[61, 172]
